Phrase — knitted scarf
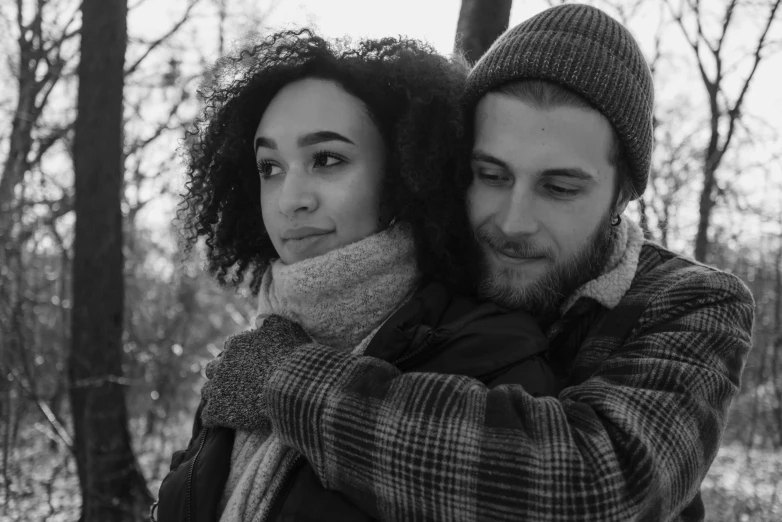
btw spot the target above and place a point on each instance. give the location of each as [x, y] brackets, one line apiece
[341, 299]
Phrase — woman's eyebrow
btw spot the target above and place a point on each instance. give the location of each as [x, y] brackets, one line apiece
[307, 140]
[321, 136]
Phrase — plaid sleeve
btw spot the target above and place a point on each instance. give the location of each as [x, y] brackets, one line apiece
[633, 442]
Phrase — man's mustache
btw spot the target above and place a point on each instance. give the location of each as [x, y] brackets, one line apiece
[518, 246]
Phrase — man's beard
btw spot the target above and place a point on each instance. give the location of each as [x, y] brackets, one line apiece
[507, 287]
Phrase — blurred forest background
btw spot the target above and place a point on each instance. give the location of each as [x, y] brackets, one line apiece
[120, 356]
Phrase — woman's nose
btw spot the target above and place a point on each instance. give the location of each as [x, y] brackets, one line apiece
[297, 193]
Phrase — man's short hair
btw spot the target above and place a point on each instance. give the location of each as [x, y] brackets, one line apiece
[547, 95]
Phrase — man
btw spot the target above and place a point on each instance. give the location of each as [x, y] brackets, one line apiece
[653, 343]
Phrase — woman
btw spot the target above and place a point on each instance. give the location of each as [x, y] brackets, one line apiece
[334, 175]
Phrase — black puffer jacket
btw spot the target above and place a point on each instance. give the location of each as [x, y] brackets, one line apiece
[435, 332]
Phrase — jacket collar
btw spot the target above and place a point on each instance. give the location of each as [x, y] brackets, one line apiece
[609, 288]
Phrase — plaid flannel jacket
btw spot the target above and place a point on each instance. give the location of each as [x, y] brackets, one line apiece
[631, 439]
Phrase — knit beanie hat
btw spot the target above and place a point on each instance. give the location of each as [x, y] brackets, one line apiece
[585, 50]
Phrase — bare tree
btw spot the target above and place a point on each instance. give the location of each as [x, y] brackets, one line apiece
[42, 62]
[725, 111]
[36, 212]
[113, 489]
[775, 346]
[480, 23]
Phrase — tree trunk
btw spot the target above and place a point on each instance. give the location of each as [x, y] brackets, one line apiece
[712, 159]
[644, 219]
[111, 484]
[777, 344]
[705, 207]
[480, 23]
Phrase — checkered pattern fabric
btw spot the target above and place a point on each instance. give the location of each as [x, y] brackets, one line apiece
[631, 439]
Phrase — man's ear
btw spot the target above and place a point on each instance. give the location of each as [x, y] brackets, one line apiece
[623, 199]
[621, 204]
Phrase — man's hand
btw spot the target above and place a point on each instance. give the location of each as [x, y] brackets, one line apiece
[234, 394]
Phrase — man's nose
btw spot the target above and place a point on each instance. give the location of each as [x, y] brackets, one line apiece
[297, 194]
[517, 217]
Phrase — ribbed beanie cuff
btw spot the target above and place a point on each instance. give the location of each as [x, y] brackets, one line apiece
[585, 50]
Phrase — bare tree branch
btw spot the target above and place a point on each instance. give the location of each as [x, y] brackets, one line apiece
[725, 24]
[735, 112]
[695, 5]
[130, 70]
[655, 61]
[44, 408]
[139, 144]
[720, 106]
[138, 4]
[46, 142]
[20, 18]
[694, 44]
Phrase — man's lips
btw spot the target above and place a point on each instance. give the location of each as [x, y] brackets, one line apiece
[515, 257]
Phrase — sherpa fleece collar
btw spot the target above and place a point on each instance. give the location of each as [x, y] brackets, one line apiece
[609, 288]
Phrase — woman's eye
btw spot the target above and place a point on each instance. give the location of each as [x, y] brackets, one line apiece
[267, 169]
[324, 159]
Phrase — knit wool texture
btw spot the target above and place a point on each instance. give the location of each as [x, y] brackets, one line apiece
[231, 395]
[341, 299]
[585, 50]
[341, 296]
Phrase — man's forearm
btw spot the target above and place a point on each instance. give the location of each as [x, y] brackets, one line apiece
[634, 440]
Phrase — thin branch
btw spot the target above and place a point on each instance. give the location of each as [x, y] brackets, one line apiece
[735, 112]
[142, 143]
[136, 5]
[657, 50]
[45, 143]
[20, 19]
[50, 79]
[696, 7]
[726, 23]
[130, 70]
[66, 35]
[47, 412]
[693, 44]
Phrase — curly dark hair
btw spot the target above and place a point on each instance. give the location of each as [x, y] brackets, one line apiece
[413, 95]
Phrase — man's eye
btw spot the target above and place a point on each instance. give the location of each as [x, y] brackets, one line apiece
[561, 191]
[324, 159]
[267, 169]
[492, 177]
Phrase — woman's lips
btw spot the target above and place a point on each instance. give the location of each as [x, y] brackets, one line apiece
[307, 246]
[302, 232]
